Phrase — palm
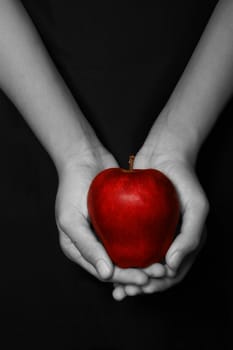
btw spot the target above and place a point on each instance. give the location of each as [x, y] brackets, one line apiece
[192, 200]
[71, 205]
[77, 239]
[191, 236]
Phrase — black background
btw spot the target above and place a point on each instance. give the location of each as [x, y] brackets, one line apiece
[46, 300]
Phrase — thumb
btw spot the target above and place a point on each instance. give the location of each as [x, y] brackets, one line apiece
[90, 248]
[190, 238]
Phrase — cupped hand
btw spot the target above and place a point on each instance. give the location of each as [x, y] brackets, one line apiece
[77, 240]
[188, 242]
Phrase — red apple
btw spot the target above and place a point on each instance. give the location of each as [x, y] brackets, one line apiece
[134, 213]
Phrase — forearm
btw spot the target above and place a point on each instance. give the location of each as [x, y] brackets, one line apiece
[205, 86]
[30, 79]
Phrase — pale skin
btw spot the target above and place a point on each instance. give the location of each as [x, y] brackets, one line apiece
[30, 79]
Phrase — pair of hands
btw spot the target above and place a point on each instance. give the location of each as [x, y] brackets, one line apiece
[80, 244]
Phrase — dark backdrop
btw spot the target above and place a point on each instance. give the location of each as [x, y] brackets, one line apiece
[49, 302]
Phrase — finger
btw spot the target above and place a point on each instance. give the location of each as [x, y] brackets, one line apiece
[190, 236]
[119, 293]
[160, 285]
[170, 272]
[157, 285]
[156, 270]
[132, 290]
[72, 252]
[125, 276]
[119, 275]
[78, 230]
[129, 276]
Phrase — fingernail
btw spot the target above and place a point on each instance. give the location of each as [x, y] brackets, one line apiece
[174, 260]
[103, 269]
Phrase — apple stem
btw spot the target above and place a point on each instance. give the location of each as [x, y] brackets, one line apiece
[131, 161]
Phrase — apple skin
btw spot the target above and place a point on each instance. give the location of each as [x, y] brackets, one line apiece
[134, 213]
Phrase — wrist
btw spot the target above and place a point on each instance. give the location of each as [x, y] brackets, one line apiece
[80, 153]
[91, 155]
[172, 135]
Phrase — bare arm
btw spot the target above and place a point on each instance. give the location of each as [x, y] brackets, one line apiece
[30, 79]
[202, 91]
[175, 138]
